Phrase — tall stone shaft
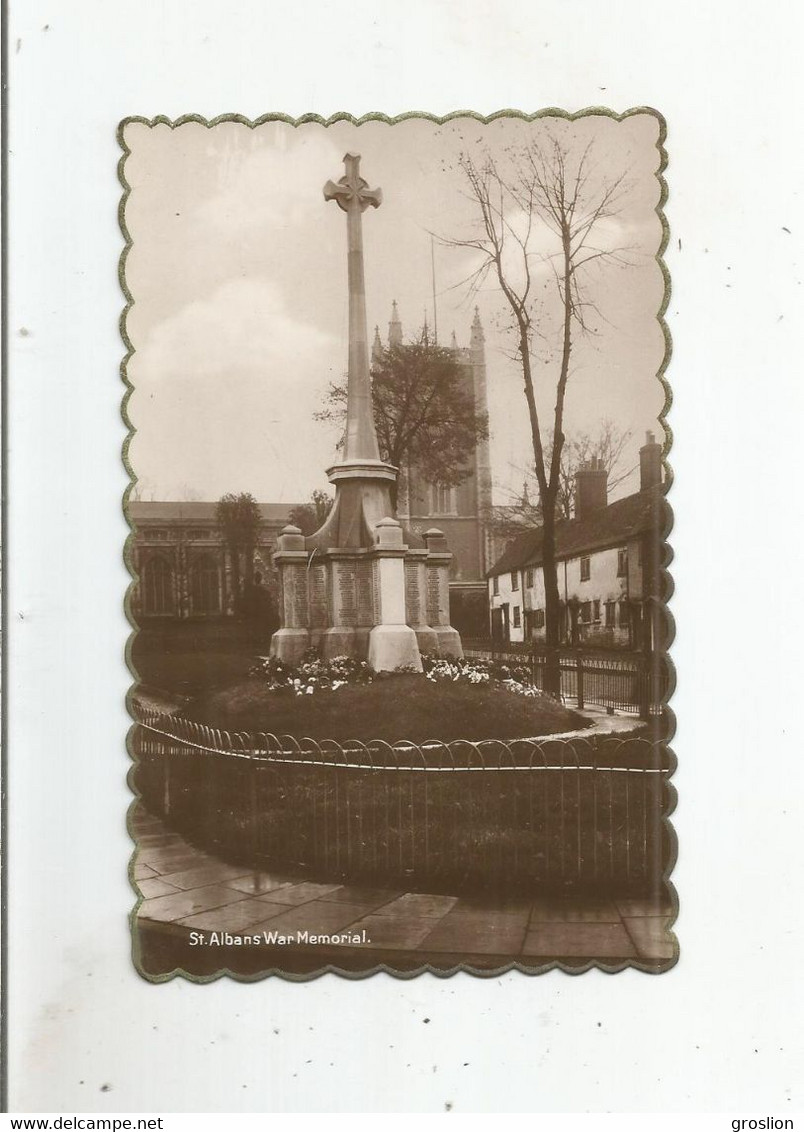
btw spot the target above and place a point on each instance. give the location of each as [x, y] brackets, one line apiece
[354, 196]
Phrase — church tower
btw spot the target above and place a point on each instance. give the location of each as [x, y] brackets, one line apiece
[461, 511]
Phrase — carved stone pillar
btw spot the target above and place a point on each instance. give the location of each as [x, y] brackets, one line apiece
[416, 601]
[438, 560]
[290, 642]
[392, 642]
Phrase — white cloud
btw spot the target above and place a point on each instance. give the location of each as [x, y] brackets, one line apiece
[272, 186]
[225, 391]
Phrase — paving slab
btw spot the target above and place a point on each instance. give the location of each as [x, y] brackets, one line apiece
[154, 886]
[575, 909]
[317, 918]
[231, 918]
[651, 936]
[257, 884]
[499, 934]
[418, 904]
[351, 894]
[143, 871]
[392, 934]
[576, 939]
[299, 893]
[181, 904]
[217, 873]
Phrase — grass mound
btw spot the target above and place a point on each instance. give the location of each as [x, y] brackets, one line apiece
[392, 708]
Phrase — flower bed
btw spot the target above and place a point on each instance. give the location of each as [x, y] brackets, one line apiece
[317, 675]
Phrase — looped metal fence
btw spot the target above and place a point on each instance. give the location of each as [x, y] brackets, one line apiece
[554, 815]
[623, 681]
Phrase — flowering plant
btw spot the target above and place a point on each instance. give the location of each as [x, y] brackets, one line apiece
[313, 674]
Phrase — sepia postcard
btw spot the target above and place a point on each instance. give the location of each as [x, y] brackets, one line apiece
[398, 453]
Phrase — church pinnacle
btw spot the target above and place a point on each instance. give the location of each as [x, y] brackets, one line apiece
[394, 327]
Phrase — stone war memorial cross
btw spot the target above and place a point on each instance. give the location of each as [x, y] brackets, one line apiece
[358, 587]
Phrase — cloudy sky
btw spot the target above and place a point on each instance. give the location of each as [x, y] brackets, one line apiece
[238, 275]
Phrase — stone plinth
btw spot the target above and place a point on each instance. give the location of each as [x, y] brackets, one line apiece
[437, 574]
[392, 642]
[416, 601]
[289, 643]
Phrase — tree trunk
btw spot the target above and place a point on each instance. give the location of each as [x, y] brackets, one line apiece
[552, 604]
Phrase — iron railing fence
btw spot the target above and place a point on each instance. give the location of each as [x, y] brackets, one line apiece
[555, 815]
[629, 682]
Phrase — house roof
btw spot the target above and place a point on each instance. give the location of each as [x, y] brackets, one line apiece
[174, 511]
[620, 521]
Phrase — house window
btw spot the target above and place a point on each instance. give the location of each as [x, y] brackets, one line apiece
[517, 617]
[529, 578]
[622, 563]
[610, 606]
[514, 580]
[586, 569]
[586, 612]
[538, 618]
[495, 585]
[596, 611]
[443, 503]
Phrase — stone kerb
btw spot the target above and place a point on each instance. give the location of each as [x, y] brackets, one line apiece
[392, 642]
[437, 570]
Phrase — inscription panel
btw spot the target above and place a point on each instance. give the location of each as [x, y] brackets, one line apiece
[435, 606]
[345, 594]
[299, 589]
[413, 594]
[364, 582]
[317, 591]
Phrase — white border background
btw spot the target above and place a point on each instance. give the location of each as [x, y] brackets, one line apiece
[720, 1031]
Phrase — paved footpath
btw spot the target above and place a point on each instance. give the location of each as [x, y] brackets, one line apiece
[188, 891]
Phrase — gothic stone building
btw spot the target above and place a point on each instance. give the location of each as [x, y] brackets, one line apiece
[609, 567]
[461, 512]
[183, 565]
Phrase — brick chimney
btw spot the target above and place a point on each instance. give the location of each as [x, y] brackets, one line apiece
[650, 463]
[591, 488]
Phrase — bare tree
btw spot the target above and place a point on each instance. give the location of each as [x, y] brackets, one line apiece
[542, 213]
[524, 509]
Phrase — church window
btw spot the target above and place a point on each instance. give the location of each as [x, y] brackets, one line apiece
[158, 598]
[443, 499]
[205, 594]
[159, 534]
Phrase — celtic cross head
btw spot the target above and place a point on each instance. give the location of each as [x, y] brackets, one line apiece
[351, 191]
